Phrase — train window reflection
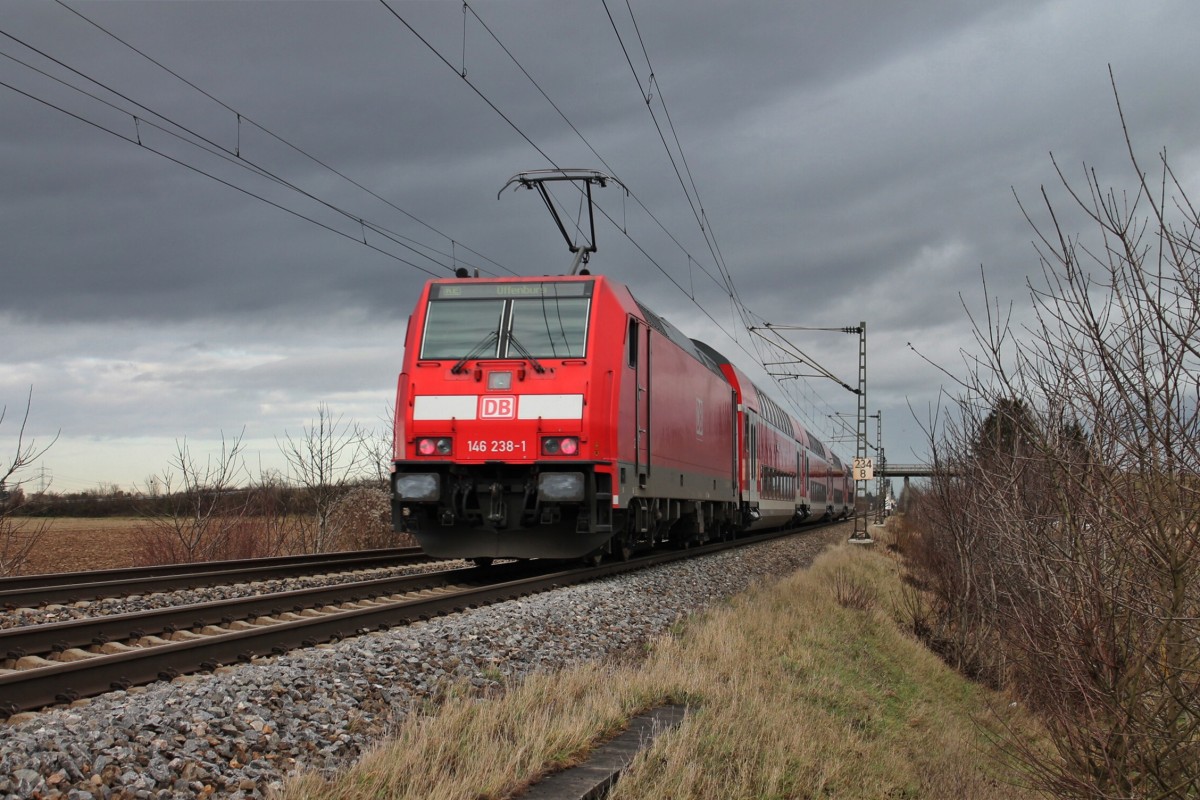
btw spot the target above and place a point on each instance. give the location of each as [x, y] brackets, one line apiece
[551, 327]
[453, 328]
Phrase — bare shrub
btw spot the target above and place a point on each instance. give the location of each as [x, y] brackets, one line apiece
[324, 462]
[914, 612]
[270, 515]
[901, 525]
[18, 534]
[362, 518]
[850, 591]
[1061, 533]
[200, 512]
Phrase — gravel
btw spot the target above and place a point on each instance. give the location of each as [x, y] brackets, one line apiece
[241, 731]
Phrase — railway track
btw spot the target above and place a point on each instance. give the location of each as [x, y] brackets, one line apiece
[71, 587]
[63, 662]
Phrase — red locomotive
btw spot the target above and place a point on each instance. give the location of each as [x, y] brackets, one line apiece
[557, 417]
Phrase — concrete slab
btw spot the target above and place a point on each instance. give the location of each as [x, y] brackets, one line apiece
[592, 779]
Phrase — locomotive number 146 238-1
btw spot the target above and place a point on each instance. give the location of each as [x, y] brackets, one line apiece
[496, 446]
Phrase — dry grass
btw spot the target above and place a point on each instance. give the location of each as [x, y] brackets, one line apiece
[794, 693]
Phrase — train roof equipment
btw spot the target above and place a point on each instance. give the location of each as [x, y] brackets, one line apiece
[538, 178]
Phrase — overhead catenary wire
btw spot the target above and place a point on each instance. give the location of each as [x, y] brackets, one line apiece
[699, 213]
[516, 62]
[241, 117]
[138, 140]
[233, 156]
[702, 217]
[441, 57]
[231, 185]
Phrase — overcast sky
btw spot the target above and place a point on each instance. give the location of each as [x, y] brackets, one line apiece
[854, 161]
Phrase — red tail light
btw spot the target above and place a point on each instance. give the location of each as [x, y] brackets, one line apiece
[434, 447]
[560, 445]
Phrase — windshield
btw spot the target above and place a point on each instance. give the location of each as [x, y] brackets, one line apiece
[454, 327]
[554, 327]
[529, 320]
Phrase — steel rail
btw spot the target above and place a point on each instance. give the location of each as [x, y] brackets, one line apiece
[47, 579]
[71, 587]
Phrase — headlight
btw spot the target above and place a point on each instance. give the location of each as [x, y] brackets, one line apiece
[561, 487]
[418, 486]
[434, 447]
[560, 445]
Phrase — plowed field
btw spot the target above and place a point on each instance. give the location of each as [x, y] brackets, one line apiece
[73, 545]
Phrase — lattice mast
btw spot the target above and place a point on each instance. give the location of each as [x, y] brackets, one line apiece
[860, 535]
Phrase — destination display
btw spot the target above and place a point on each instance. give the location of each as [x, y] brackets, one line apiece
[480, 290]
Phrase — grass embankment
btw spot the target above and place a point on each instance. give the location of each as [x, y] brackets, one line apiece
[804, 688]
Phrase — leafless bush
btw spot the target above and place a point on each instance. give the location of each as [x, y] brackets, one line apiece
[363, 520]
[201, 511]
[851, 592]
[18, 535]
[325, 461]
[270, 515]
[207, 511]
[1061, 534]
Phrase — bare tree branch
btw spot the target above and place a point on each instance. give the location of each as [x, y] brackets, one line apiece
[1060, 538]
[18, 534]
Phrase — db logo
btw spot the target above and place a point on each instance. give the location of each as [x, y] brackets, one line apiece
[498, 407]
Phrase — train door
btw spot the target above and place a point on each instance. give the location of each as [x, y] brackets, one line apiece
[804, 480]
[737, 435]
[639, 359]
[801, 492]
[753, 487]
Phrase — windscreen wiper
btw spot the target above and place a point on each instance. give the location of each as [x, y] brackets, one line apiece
[520, 348]
[474, 352]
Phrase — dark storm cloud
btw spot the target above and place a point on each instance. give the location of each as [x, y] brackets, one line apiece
[854, 161]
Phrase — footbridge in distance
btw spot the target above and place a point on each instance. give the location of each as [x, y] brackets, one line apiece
[891, 470]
